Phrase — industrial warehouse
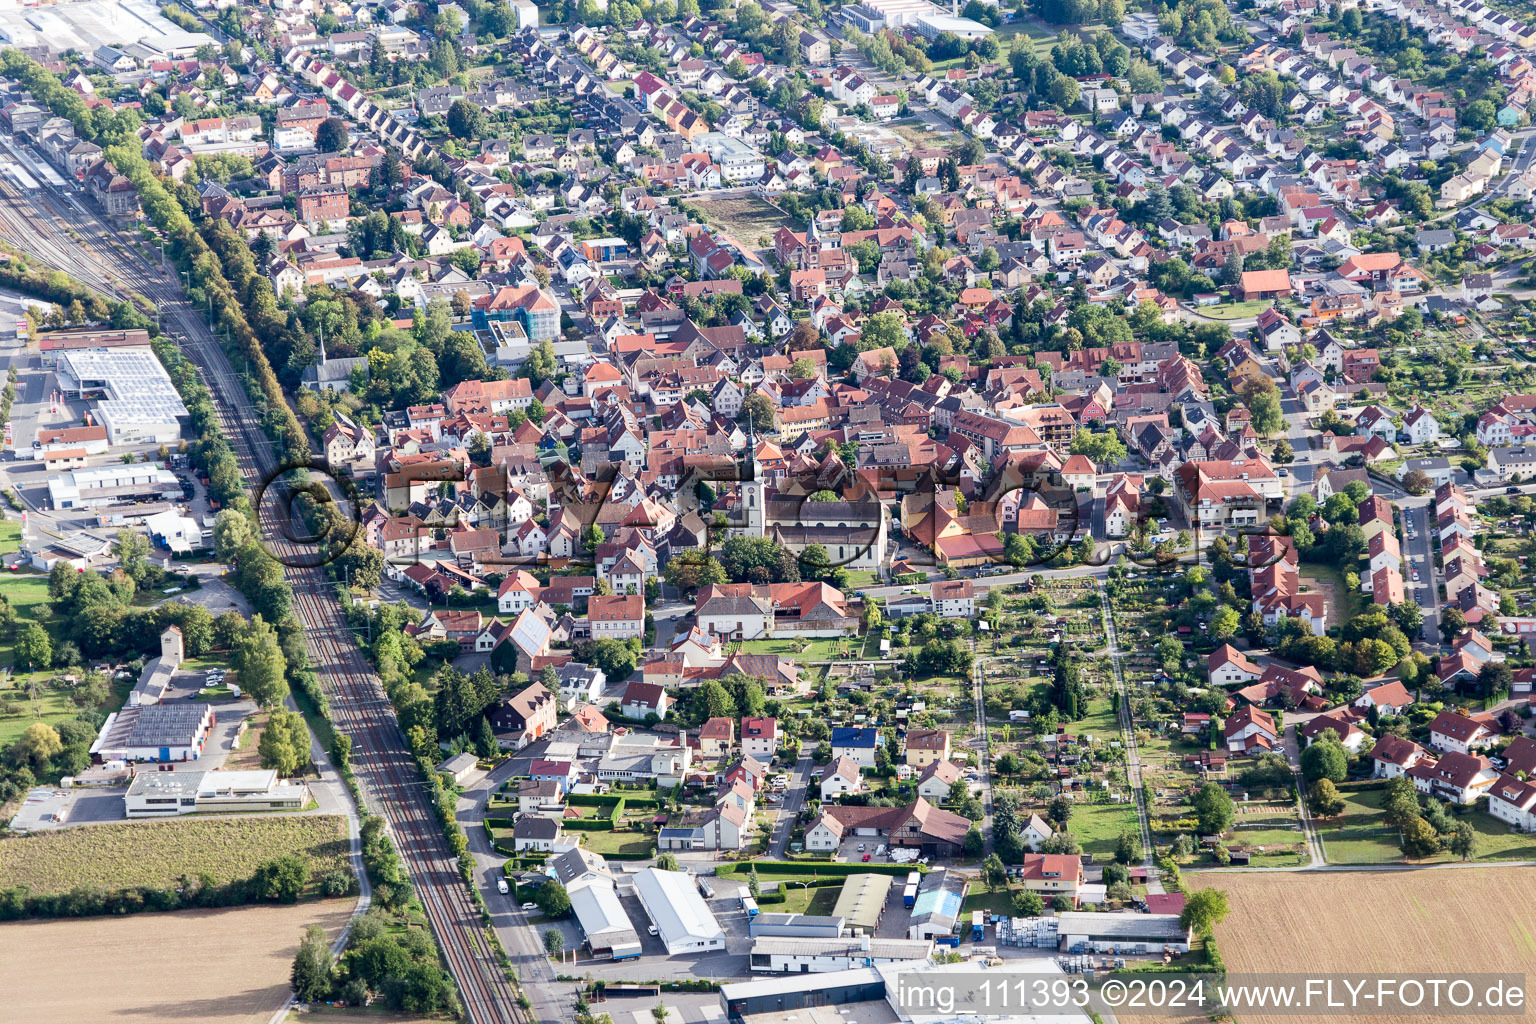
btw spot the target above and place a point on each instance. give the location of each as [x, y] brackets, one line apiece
[683, 920]
[154, 732]
[157, 794]
[135, 398]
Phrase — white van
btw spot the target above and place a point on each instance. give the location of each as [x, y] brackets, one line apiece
[501, 886]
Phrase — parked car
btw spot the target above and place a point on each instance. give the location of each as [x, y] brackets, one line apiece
[501, 886]
[530, 906]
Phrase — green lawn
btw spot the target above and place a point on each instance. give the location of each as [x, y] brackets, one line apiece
[10, 536]
[24, 590]
[17, 711]
[802, 899]
[990, 901]
[1100, 722]
[1234, 310]
[1359, 836]
[1098, 826]
[1345, 602]
[618, 844]
[804, 650]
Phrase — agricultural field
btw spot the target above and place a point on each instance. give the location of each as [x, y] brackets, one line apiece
[158, 853]
[1393, 922]
[242, 957]
[749, 219]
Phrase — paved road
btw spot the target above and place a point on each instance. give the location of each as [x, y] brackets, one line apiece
[789, 809]
[552, 1000]
[1420, 553]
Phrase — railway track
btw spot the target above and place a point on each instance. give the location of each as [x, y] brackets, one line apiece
[52, 228]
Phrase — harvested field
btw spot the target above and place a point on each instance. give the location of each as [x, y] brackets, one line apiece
[158, 853]
[1463, 920]
[210, 966]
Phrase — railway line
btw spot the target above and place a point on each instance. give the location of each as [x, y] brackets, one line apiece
[50, 225]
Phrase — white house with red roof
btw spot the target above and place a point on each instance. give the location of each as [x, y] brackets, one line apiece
[1458, 732]
[1388, 698]
[1393, 755]
[1227, 665]
[1513, 800]
[1250, 731]
[1459, 778]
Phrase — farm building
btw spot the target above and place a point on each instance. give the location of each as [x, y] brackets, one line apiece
[154, 732]
[682, 918]
[160, 794]
[862, 902]
[1121, 933]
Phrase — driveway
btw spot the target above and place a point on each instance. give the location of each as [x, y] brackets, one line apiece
[789, 810]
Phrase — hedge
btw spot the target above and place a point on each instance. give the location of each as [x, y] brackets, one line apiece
[588, 825]
[609, 799]
[498, 823]
[795, 867]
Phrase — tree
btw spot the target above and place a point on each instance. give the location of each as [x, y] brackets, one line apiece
[467, 121]
[281, 879]
[1204, 909]
[554, 942]
[759, 411]
[1104, 448]
[1264, 405]
[132, 551]
[1059, 811]
[1027, 903]
[1170, 653]
[1128, 848]
[1324, 799]
[1479, 115]
[1408, 616]
[1463, 841]
[231, 532]
[1325, 758]
[666, 862]
[754, 885]
[1452, 624]
[331, 136]
[284, 743]
[552, 899]
[711, 701]
[1416, 481]
[34, 649]
[1419, 838]
[260, 665]
[1401, 802]
[973, 843]
[37, 745]
[1214, 809]
[1225, 624]
[993, 871]
[1232, 270]
[312, 965]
